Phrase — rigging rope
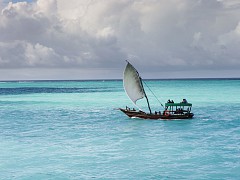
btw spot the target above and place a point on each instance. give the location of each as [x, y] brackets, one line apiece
[153, 94]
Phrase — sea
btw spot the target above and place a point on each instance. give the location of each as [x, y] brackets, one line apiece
[74, 130]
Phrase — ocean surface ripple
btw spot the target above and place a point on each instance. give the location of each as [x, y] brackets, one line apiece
[73, 130]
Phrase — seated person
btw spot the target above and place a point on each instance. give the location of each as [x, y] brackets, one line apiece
[184, 101]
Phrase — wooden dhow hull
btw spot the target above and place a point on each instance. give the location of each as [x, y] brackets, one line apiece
[143, 115]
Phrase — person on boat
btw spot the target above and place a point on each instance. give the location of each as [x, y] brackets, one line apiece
[170, 101]
[181, 111]
[177, 111]
[184, 101]
[127, 108]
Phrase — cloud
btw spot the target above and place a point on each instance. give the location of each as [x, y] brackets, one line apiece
[157, 35]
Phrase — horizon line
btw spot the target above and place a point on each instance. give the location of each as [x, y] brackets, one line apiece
[119, 79]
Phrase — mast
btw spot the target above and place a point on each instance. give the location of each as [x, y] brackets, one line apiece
[145, 96]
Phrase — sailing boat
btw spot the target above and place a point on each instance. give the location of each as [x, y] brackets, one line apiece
[133, 86]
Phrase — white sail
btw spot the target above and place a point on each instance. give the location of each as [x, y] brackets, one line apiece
[133, 84]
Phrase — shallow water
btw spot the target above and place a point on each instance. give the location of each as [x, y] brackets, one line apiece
[73, 130]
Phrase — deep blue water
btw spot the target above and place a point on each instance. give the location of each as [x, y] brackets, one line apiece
[73, 130]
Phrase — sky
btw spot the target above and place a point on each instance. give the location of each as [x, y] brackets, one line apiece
[91, 39]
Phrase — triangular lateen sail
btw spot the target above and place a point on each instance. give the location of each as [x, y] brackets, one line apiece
[132, 83]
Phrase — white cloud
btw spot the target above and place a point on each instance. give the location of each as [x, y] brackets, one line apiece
[48, 7]
[173, 35]
[38, 55]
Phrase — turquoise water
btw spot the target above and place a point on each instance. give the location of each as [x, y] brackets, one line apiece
[72, 130]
